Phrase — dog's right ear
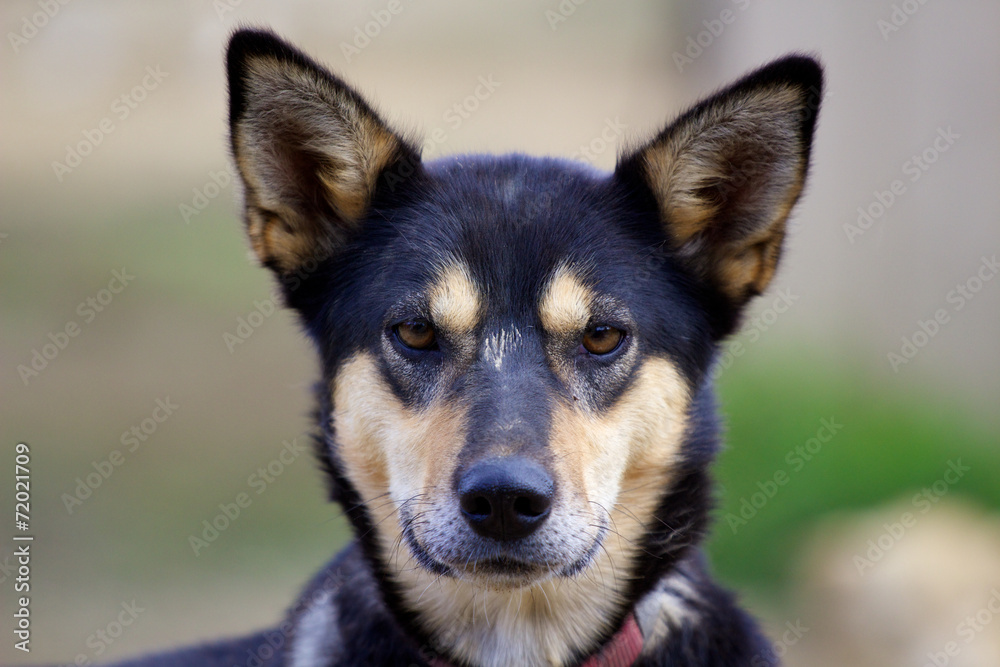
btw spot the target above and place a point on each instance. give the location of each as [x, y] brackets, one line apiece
[307, 147]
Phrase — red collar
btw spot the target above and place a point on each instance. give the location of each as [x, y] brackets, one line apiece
[620, 651]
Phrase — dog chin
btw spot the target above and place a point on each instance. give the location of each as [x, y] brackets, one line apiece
[504, 572]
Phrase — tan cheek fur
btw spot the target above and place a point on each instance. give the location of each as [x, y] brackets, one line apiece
[387, 449]
[623, 460]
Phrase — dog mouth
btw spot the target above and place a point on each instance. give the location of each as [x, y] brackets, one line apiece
[514, 565]
[504, 568]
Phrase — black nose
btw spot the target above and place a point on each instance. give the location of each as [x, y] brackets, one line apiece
[505, 499]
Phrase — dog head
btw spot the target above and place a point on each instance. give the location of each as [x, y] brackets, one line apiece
[515, 350]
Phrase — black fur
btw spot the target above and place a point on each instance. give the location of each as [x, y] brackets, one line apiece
[512, 220]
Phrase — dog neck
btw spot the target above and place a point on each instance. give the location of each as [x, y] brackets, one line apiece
[621, 650]
[318, 638]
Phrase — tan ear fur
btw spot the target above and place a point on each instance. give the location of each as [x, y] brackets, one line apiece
[726, 175]
[309, 151]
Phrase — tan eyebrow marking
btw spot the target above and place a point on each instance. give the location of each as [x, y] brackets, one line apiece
[455, 302]
[565, 304]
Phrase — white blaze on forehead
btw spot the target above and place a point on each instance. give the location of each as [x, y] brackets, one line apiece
[565, 303]
[498, 345]
[455, 302]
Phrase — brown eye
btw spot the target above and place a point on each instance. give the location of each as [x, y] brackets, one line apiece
[602, 339]
[416, 334]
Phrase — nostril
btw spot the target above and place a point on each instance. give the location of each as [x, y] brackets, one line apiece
[476, 506]
[531, 505]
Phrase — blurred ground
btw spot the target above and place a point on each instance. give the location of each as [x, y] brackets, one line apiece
[912, 97]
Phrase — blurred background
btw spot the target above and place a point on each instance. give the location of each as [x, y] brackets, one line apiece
[144, 362]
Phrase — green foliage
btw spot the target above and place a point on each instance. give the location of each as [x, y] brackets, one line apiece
[890, 447]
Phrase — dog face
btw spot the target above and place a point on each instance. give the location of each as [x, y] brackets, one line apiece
[514, 349]
[496, 391]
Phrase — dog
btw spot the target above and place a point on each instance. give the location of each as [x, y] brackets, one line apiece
[515, 408]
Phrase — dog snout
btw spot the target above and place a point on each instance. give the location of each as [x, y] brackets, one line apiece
[506, 499]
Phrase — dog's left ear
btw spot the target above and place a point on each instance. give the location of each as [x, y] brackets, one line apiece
[726, 174]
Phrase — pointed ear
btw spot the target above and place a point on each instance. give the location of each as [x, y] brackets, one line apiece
[308, 149]
[726, 174]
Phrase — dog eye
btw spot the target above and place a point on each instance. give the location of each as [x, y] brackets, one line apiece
[416, 334]
[602, 339]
